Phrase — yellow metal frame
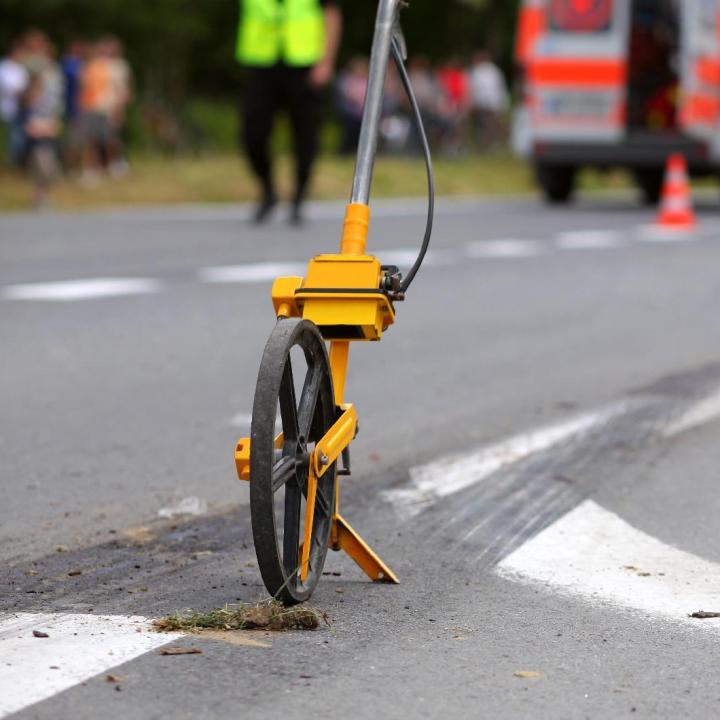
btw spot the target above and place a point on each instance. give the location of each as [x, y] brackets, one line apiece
[342, 296]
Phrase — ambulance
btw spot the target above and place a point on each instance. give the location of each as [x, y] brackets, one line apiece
[617, 84]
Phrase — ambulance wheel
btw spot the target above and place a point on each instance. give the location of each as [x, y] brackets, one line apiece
[294, 407]
[650, 182]
[557, 182]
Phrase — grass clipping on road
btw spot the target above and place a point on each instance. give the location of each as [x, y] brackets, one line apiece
[268, 615]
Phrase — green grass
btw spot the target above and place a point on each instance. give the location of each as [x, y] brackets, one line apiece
[215, 177]
[270, 615]
[225, 178]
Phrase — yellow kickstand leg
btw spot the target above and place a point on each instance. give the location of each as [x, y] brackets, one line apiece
[343, 537]
[309, 516]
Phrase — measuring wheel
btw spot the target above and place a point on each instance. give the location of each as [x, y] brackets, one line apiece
[291, 509]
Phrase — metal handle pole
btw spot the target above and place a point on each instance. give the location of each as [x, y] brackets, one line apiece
[367, 147]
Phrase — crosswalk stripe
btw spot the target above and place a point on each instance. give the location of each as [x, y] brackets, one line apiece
[77, 647]
[595, 555]
[703, 412]
[449, 475]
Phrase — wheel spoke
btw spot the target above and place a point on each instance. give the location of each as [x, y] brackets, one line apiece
[291, 536]
[288, 405]
[283, 472]
[309, 398]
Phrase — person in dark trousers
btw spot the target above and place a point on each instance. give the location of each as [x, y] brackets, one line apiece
[289, 48]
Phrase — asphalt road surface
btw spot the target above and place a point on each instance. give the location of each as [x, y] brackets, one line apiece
[538, 462]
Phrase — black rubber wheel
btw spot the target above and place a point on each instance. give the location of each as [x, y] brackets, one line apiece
[278, 476]
[557, 182]
[650, 182]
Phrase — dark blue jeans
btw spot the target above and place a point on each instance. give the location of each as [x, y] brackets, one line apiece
[17, 141]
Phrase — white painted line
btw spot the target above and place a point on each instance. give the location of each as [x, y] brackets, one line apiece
[406, 257]
[660, 234]
[503, 249]
[702, 413]
[250, 273]
[452, 474]
[589, 240]
[74, 290]
[77, 648]
[268, 271]
[595, 555]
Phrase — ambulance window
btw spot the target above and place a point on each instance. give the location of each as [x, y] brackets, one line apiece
[581, 16]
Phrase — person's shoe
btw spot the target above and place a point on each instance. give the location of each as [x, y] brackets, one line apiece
[265, 208]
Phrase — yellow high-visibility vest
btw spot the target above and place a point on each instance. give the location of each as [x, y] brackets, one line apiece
[272, 31]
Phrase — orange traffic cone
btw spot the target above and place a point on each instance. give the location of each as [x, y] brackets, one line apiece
[676, 212]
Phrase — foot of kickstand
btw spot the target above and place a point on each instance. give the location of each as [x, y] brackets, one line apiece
[343, 537]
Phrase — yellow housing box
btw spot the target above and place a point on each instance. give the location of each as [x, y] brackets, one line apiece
[341, 295]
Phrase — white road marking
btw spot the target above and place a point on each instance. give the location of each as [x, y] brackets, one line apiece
[589, 240]
[702, 413]
[452, 474]
[406, 257]
[503, 249]
[193, 506]
[251, 272]
[660, 234]
[73, 290]
[593, 554]
[77, 648]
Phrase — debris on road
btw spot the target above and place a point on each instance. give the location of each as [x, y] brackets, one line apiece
[75, 573]
[235, 637]
[181, 651]
[269, 615]
[638, 571]
[38, 634]
[187, 506]
[528, 675]
[139, 535]
[702, 615]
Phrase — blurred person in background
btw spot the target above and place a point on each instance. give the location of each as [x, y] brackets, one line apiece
[97, 102]
[72, 63]
[395, 125]
[122, 92]
[43, 105]
[490, 99]
[289, 49]
[350, 91]
[14, 79]
[435, 109]
[454, 82]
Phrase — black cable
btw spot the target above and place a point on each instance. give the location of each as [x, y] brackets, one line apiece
[400, 64]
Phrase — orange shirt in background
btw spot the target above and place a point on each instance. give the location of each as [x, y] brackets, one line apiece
[97, 87]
